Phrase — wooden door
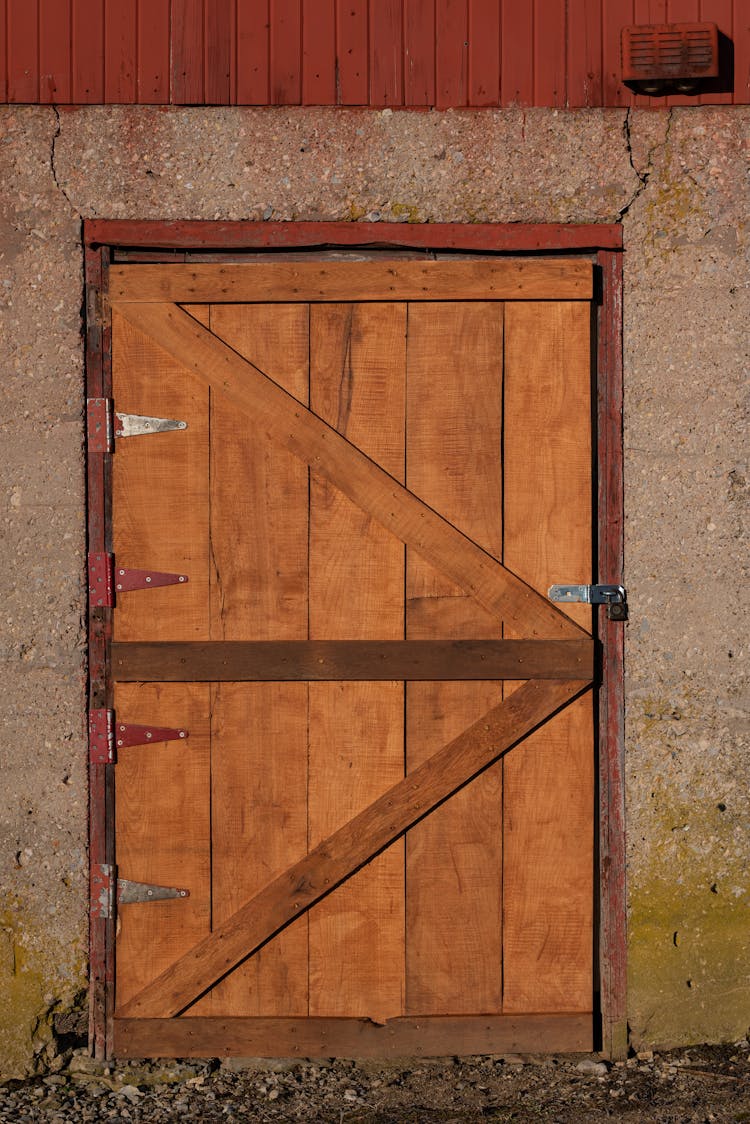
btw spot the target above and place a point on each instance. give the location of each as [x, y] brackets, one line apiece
[383, 810]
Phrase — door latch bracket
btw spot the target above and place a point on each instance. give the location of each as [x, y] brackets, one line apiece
[613, 596]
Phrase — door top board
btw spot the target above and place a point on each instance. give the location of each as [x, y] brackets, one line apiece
[488, 279]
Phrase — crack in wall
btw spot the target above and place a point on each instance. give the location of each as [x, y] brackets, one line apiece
[645, 175]
[53, 159]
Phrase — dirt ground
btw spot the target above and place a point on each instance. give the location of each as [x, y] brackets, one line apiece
[699, 1084]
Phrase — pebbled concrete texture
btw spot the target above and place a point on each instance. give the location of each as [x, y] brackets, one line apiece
[678, 183]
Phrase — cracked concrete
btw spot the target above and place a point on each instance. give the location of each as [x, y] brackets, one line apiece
[679, 183]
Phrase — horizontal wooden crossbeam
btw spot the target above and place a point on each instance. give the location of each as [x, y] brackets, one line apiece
[355, 843]
[502, 279]
[330, 455]
[300, 660]
[437, 1035]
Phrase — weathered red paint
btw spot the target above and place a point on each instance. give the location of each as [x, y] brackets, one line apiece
[444, 53]
[612, 916]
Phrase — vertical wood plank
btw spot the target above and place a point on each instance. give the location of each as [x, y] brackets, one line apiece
[162, 829]
[160, 513]
[4, 50]
[517, 53]
[286, 52]
[584, 53]
[454, 858]
[253, 45]
[87, 53]
[54, 51]
[319, 52]
[548, 780]
[186, 42]
[218, 47]
[160, 493]
[23, 51]
[549, 52]
[451, 52]
[259, 531]
[741, 37]
[484, 52]
[720, 13]
[419, 52]
[645, 12]
[153, 73]
[682, 11]
[352, 52]
[614, 18]
[119, 52]
[357, 356]
[386, 53]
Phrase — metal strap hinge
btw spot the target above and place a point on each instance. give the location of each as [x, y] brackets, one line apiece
[613, 596]
[129, 892]
[103, 425]
[106, 890]
[105, 578]
[105, 735]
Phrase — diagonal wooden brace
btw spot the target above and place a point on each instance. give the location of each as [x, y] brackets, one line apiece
[379, 495]
[351, 846]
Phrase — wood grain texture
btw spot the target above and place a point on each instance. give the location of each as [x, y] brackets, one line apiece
[162, 830]
[218, 51]
[359, 478]
[357, 385]
[352, 55]
[564, 279]
[451, 53]
[160, 493]
[454, 858]
[54, 51]
[153, 53]
[87, 51]
[319, 52]
[285, 51]
[354, 1038]
[279, 661]
[484, 52]
[348, 848]
[386, 53]
[22, 40]
[253, 52]
[419, 52]
[258, 589]
[549, 783]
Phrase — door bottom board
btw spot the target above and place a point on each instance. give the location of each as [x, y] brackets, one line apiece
[433, 1036]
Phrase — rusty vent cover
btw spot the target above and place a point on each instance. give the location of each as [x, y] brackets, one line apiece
[670, 52]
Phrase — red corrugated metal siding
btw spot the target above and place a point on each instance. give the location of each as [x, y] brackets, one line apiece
[343, 52]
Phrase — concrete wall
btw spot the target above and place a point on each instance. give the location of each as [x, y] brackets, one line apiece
[677, 182]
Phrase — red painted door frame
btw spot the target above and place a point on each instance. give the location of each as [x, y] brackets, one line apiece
[603, 244]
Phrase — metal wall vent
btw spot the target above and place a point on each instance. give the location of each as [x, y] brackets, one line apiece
[676, 56]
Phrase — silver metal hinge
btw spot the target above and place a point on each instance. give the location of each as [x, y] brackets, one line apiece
[613, 596]
[103, 425]
[129, 892]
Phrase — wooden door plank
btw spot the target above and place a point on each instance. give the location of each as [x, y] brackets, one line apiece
[289, 661]
[160, 492]
[454, 857]
[357, 377]
[347, 849]
[364, 482]
[549, 829]
[501, 279]
[353, 1038]
[258, 540]
[162, 830]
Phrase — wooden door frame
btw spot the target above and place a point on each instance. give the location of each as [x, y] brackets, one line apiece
[171, 241]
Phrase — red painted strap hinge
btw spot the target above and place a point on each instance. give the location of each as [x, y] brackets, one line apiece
[101, 737]
[102, 890]
[106, 735]
[105, 579]
[128, 734]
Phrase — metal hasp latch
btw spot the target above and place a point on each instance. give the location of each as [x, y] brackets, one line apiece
[101, 429]
[613, 596]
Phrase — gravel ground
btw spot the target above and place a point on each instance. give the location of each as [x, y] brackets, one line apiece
[706, 1083]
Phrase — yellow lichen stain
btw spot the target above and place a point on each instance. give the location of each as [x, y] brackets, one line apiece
[408, 209]
[23, 1028]
[355, 212]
